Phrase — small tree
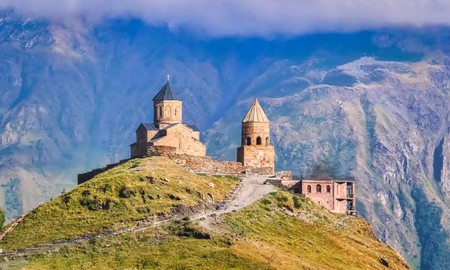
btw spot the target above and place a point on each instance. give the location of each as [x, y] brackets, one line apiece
[2, 218]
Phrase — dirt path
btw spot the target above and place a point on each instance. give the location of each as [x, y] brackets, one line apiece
[250, 189]
[12, 226]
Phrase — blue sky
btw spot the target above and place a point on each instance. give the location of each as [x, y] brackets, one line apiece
[249, 17]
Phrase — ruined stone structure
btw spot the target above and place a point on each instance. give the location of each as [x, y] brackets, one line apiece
[337, 195]
[256, 150]
[167, 129]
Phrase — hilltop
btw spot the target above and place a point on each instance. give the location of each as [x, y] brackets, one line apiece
[138, 190]
[188, 227]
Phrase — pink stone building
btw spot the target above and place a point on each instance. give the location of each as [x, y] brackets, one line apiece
[338, 196]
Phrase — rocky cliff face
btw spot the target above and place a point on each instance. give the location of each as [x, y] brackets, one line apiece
[385, 132]
[372, 105]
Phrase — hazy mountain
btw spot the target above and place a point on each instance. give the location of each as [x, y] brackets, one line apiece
[374, 105]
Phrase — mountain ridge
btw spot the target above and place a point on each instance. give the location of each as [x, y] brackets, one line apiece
[369, 104]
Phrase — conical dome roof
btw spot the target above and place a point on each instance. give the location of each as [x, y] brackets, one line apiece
[166, 93]
[256, 114]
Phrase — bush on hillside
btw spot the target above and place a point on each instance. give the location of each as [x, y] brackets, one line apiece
[2, 218]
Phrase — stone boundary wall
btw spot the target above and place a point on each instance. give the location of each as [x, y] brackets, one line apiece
[275, 182]
[155, 150]
[284, 175]
[83, 177]
[208, 165]
[196, 164]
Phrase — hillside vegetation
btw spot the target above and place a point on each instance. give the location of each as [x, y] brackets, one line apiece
[279, 231]
[138, 190]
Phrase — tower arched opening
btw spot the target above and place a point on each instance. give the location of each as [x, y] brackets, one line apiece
[258, 141]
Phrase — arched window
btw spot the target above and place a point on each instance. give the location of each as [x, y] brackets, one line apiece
[309, 189]
[249, 141]
[258, 141]
[319, 189]
[267, 141]
[328, 188]
[176, 111]
[160, 111]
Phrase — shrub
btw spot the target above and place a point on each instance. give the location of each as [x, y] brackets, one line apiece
[282, 199]
[2, 218]
[296, 202]
[126, 192]
[96, 203]
[106, 187]
[266, 202]
[65, 198]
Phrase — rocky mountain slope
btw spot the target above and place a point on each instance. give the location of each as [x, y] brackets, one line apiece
[374, 105]
[279, 231]
[378, 132]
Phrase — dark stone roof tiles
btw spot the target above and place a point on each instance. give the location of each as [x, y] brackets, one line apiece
[149, 126]
[166, 93]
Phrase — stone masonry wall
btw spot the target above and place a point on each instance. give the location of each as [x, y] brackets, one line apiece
[197, 164]
[83, 177]
[208, 165]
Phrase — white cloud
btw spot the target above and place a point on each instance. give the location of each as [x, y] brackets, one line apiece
[250, 17]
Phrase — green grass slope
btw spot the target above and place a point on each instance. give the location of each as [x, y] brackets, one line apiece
[287, 232]
[137, 190]
[280, 231]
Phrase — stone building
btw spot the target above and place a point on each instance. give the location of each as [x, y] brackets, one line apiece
[336, 195]
[167, 133]
[256, 150]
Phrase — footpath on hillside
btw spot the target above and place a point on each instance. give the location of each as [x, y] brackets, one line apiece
[249, 190]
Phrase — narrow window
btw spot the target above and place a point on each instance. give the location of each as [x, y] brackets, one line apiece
[319, 189]
[249, 141]
[328, 189]
[267, 141]
[176, 110]
[161, 112]
[258, 141]
[309, 189]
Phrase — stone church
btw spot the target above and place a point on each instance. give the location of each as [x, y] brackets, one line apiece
[167, 133]
[256, 151]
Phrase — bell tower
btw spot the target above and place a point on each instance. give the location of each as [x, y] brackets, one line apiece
[167, 106]
[256, 151]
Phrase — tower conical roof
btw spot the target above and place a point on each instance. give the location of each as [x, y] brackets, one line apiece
[166, 93]
[256, 114]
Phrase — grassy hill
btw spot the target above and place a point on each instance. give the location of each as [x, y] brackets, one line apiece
[135, 191]
[280, 231]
